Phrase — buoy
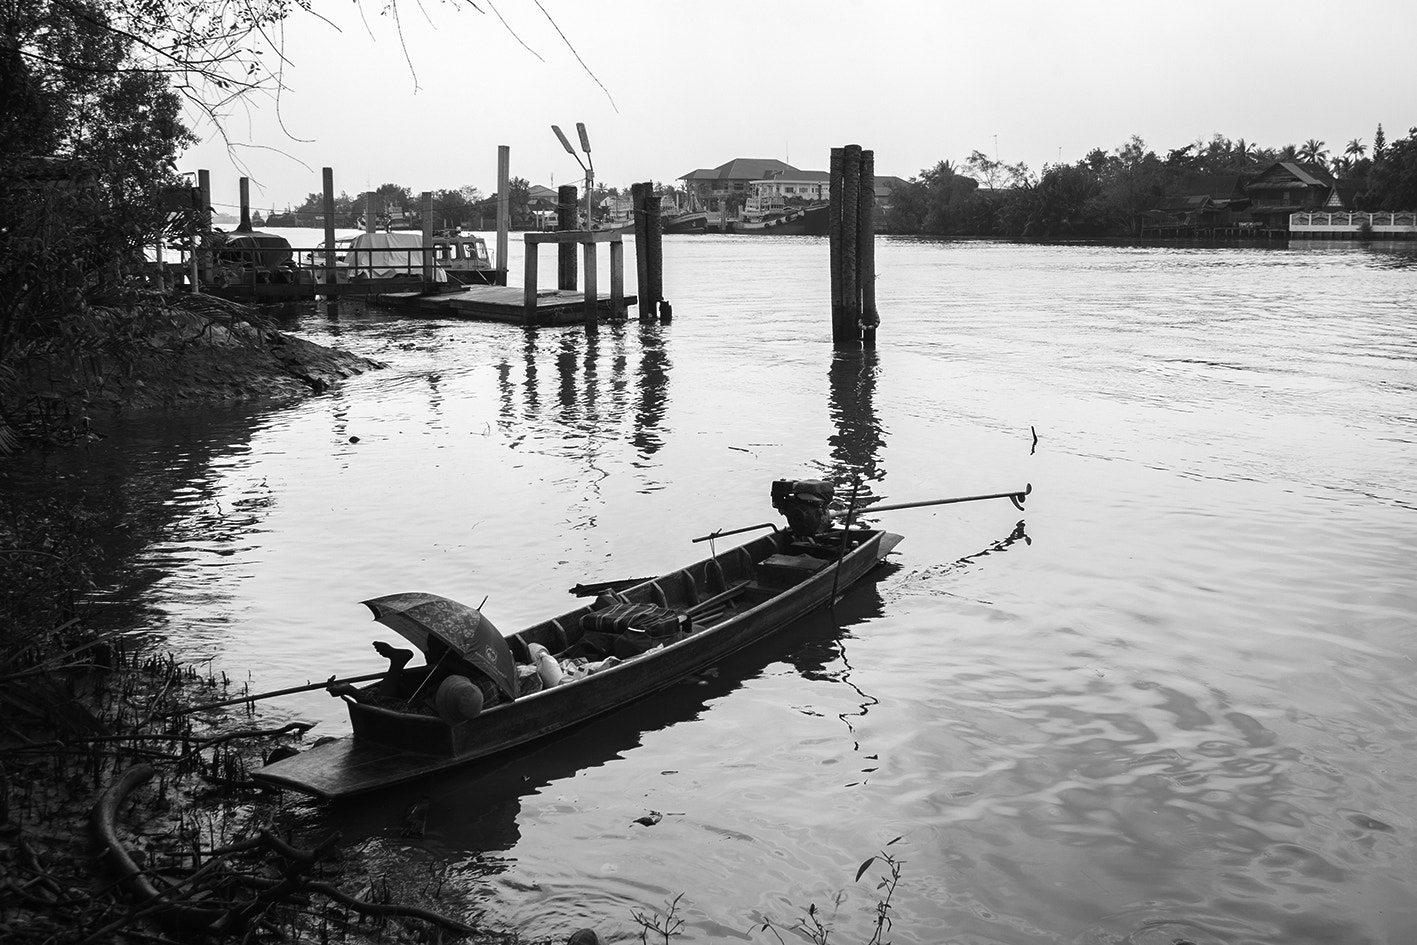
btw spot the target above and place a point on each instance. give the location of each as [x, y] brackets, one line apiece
[457, 700]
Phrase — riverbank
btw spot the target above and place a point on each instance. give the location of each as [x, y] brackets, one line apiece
[161, 352]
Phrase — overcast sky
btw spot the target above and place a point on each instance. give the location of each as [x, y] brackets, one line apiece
[689, 85]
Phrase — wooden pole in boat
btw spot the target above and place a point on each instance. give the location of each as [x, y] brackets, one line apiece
[834, 236]
[427, 240]
[244, 185]
[328, 175]
[866, 248]
[204, 184]
[655, 236]
[504, 207]
[850, 238]
[566, 210]
[308, 687]
[637, 201]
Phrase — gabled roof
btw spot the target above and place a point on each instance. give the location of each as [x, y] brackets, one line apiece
[741, 169]
[1309, 174]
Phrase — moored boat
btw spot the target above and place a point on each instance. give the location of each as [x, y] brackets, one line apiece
[624, 646]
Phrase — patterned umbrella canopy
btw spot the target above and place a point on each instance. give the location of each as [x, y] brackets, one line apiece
[462, 629]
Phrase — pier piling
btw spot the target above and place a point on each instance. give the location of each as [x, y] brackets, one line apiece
[427, 239]
[245, 189]
[654, 250]
[204, 226]
[504, 209]
[567, 205]
[328, 175]
[853, 251]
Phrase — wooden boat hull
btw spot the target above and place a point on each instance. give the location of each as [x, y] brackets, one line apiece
[763, 586]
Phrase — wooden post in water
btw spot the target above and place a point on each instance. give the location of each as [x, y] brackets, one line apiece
[427, 240]
[245, 187]
[566, 207]
[850, 235]
[504, 211]
[592, 291]
[637, 207]
[369, 212]
[655, 251]
[834, 236]
[329, 206]
[204, 228]
[866, 248]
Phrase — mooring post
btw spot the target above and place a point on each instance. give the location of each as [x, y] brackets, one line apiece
[207, 263]
[850, 240]
[866, 248]
[528, 284]
[834, 236]
[617, 279]
[329, 184]
[655, 237]
[592, 292]
[368, 212]
[504, 205]
[244, 185]
[566, 207]
[637, 208]
[427, 240]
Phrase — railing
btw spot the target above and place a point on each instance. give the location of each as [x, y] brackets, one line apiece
[1352, 222]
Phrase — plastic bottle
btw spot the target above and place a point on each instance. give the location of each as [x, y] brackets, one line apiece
[546, 665]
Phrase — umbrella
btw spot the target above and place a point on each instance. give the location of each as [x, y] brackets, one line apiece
[462, 629]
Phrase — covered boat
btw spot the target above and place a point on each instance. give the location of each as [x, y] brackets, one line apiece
[625, 645]
[389, 256]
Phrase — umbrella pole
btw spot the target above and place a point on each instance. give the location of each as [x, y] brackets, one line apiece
[431, 670]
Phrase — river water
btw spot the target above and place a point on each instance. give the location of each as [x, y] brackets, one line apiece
[1172, 701]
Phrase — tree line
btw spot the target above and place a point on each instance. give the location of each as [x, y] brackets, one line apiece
[1108, 194]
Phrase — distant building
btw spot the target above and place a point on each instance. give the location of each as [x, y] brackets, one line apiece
[765, 181]
[1287, 187]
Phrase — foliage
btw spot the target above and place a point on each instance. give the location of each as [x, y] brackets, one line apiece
[87, 156]
[812, 927]
[1392, 183]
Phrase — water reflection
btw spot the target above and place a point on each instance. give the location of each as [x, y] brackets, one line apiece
[594, 386]
[855, 447]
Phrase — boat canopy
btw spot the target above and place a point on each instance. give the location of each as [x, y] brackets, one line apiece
[389, 256]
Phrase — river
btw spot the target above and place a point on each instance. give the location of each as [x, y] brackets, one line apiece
[1172, 701]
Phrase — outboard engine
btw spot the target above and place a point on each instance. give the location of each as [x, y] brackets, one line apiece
[805, 503]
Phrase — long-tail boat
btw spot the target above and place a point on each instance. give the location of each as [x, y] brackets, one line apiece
[627, 644]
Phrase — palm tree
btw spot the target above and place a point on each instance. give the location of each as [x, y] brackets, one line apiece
[1356, 149]
[1314, 150]
[1243, 152]
[1289, 152]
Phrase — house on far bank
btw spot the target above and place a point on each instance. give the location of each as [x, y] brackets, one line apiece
[1287, 187]
[728, 186]
[766, 181]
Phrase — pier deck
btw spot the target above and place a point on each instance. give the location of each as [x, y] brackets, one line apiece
[503, 304]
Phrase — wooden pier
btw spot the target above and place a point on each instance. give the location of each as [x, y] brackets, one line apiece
[498, 303]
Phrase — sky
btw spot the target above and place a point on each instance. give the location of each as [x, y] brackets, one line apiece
[668, 86]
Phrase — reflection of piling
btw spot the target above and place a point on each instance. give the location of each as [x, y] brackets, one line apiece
[566, 204]
[853, 255]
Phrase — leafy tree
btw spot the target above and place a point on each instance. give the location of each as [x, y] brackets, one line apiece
[86, 160]
[1379, 144]
[1392, 183]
